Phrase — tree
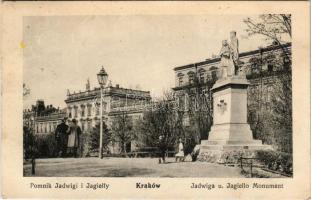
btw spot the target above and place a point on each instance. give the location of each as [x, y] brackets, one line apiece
[200, 108]
[162, 120]
[93, 138]
[29, 144]
[281, 101]
[275, 27]
[122, 130]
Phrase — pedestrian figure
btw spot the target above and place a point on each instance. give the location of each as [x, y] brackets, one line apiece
[74, 138]
[162, 148]
[61, 137]
[180, 155]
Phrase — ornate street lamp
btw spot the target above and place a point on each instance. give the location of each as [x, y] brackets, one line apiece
[102, 78]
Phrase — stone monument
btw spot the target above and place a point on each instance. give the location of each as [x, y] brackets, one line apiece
[230, 135]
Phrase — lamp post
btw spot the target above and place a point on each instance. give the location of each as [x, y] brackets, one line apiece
[102, 77]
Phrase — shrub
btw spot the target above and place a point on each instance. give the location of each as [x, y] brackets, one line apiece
[277, 161]
[46, 145]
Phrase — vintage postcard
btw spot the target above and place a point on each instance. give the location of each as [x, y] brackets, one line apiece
[155, 100]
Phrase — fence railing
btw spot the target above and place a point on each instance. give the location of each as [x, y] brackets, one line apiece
[249, 162]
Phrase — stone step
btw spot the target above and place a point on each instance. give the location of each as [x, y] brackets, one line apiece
[206, 148]
[231, 142]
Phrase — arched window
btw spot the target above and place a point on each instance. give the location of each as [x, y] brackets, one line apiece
[75, 111]
[89, 110]
[213, 73]
[82, 110]
[191, 77]
[201, 75]
[180, 77]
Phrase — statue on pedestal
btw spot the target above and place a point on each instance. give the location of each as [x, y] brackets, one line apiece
[226, 62]
[229, 56]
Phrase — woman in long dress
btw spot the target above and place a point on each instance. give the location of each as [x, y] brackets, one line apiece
[180, 155]
[226, 62]
[74, 132]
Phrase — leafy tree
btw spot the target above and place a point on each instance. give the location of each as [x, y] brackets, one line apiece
[94, 138]
[122, 130]
[200, 108]
[274, 126]
[281, 102]
[163, 120]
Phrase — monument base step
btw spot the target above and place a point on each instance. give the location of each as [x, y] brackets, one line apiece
[229, 153]
[231, 142]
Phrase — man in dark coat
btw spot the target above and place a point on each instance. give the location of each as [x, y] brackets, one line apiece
[162, 148]
[61, 136]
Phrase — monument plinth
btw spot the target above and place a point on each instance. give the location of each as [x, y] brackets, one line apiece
[230, 132]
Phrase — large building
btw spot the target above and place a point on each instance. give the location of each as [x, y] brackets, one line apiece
[43, 119]
[84, 106]
[261, 67]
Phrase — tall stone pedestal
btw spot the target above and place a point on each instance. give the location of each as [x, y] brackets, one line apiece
[230, 135]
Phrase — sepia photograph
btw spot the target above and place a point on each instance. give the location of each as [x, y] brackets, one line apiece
[158, 96]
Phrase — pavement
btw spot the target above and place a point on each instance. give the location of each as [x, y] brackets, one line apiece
[128, 167]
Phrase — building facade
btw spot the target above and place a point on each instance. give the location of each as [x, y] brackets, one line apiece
[43, 119]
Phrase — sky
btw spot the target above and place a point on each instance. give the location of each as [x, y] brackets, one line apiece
[62, 52]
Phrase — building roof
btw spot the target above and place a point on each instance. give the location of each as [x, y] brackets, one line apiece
[247, 53]
[113, 91]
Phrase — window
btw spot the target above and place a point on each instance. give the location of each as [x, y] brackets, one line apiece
[270, 67]
[75, 111]
[180, 78]
[214, 75]
[82, 110]
[89, 111]
[69, 112]
[201, 75]
[89, 125]
[191, 77]
[180, 81]
[254, 68]
[82, 125]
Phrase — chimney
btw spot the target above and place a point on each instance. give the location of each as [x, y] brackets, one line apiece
[117, 86]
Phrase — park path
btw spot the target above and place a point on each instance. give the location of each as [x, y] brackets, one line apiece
[128, 167]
